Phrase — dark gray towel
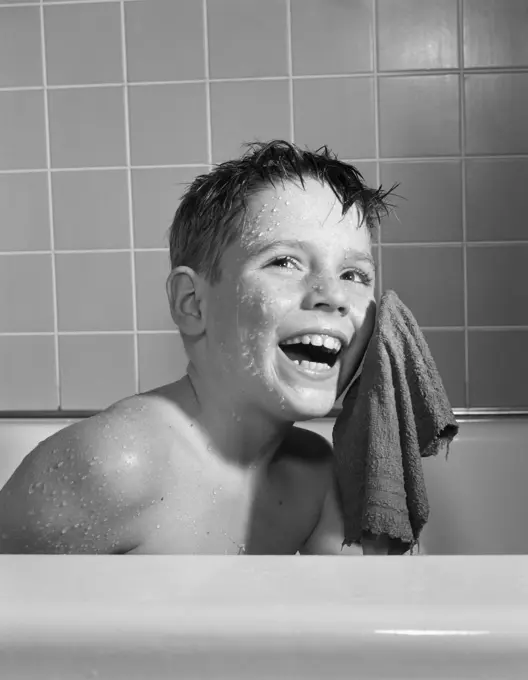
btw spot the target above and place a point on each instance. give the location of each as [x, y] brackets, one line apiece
[395, 414]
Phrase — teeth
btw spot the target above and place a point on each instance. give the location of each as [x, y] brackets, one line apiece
[328, 341]
[312, 365]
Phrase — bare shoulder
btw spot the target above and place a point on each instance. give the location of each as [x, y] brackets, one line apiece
[78, 490]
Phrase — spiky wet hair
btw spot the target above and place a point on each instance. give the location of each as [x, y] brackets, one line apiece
[211, 214]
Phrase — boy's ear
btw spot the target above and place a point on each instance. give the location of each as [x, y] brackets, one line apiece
[185, 289]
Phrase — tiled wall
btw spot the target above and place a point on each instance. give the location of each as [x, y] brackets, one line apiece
[430, 93]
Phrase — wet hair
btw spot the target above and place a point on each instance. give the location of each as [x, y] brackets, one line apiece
[211, 214]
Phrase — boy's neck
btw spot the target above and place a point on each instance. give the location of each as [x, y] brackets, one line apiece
[243, 435]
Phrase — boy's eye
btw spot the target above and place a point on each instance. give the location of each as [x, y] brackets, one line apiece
[284, 262]
[357, 276]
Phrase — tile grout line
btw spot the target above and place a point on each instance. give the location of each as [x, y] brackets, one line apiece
[492, 70]
[404, 160]
[462, 113]
[290, 67]
[129, 194]
[377, 129]
[208, 117]
[47, 134]
[166, 331]
[403, 244]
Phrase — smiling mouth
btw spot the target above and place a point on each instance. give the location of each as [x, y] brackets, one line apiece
[312, 353]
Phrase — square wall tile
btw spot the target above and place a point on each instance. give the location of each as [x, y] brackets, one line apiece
[429, 280]
[164, 40]
[430, 207]
[22, 132]
[27, 373]
[90, 209]
[24, 211]
[87, 127]
[94, 291]
[20, 47]
[497, 290]
[247, 38]
[162, 359]
[95, 370]
[168, 124]
[496, 199]
[247, 111]
[338, 112]
[417, 35]
[156, 194]
[26, 293]
[369, 170]
[153, 312]
[419, 116]
[449, 354]
[498, 369]
[350, 27]
[496, 113]
[83, 43]
[495, 33]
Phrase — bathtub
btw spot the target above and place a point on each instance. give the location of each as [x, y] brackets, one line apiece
[452, 614]
[478, 496]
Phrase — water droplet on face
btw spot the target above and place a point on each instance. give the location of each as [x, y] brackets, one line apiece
[63, 531]
[158, 526]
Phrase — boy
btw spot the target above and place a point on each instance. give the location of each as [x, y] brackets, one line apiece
[272, 288]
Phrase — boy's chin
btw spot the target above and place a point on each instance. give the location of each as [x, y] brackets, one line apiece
[308, 405]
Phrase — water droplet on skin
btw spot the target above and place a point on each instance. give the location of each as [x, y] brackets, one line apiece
[31, 488]
[158, 526]
[287, 203]
[63, 531]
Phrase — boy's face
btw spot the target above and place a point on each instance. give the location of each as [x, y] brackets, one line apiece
[295, 291]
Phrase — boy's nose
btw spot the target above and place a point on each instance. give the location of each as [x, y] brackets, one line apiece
[328, 294]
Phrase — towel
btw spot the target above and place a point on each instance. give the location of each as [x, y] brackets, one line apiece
[396, 413]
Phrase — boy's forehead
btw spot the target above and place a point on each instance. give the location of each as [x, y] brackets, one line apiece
[290, 202]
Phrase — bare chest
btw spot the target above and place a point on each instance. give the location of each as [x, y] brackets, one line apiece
[269, 513]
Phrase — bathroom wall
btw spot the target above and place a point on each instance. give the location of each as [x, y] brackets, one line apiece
[108, 108]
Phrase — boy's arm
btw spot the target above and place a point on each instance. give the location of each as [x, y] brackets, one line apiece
[77, 492]
[327, 537]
